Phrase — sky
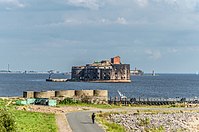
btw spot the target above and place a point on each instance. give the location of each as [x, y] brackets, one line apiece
[41, 35]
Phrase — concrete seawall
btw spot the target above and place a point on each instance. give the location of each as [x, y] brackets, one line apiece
[95, 94]
[45, 94]
[65, 93]
[80, 93]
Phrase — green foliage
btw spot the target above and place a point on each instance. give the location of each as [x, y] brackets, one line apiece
[110, 126]
[35, 122]
[155, 129]
[25, 121]
[1, 102]
[144, 122]
[178, 105]
[106, 114]
[113, 127]
[69, 101]
[7, 121]
[72, 102]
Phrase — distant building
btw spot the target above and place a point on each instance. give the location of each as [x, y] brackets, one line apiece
[103, 71]
[136, 72]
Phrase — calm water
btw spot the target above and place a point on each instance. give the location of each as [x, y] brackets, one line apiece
[163, 85]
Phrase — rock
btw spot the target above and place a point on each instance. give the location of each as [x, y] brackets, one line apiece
[174, 122]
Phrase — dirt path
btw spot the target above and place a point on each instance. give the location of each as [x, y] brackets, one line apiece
[62, 123]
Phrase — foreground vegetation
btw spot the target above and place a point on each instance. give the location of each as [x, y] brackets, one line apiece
[109, 126]
[146, 120]
[7, 122]
[73, 102]
[24, 121]
[85, 102]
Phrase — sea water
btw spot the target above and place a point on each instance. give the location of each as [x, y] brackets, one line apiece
[159, 86]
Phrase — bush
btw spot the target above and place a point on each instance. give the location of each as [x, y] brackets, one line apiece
[7, 122]
[109, 126]
[69, 101]
[144, 122]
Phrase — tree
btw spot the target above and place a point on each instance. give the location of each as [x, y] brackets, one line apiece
[7, 122]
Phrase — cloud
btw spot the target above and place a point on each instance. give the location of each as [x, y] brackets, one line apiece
[73, 21]
[91, 4]
[15, 3]
[178, 5]
[104, 21]
[142, 3]
[78, 21]
[181, 4]
[153, 54]
[173, 50]
[121, 20]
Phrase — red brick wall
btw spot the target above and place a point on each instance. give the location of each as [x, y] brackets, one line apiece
[115, 60]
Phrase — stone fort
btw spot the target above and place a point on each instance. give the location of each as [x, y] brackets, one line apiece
[104, 71]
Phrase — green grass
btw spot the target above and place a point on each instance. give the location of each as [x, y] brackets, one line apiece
[166, 111]
[155, 129]
[31, 121]
[114, 127]
[73, 102]
[103, 106]
[109, 126]
[34, 122]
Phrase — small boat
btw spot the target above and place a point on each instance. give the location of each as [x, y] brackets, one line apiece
[56, 80]
[49, 79]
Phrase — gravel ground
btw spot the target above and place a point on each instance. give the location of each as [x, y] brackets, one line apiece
[188, 122]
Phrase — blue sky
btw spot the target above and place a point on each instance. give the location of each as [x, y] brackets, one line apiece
[160, 35]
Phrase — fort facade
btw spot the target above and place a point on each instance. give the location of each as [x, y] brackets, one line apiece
[104, 71]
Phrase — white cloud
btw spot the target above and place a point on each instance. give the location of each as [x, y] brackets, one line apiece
[81, 21]
[72, 21]
[173, 50]
[153, 54]
[91, 4]
[181, 5]
[121, 20]
[104, 21]
[15, 3]
[142, 3]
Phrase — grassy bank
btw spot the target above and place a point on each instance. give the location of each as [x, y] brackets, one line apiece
[102, 106]
[109, 126]
[30, 121]
[35, 122]
[72, 102]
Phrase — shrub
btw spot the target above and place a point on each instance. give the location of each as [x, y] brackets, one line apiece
[7, 122]
[144, 122]
[69, 101]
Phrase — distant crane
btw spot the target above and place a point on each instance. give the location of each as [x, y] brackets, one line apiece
[122, 96]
